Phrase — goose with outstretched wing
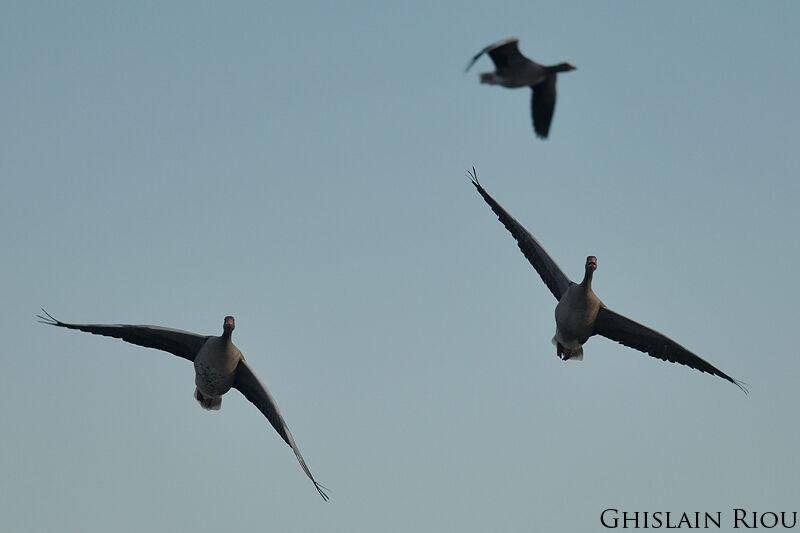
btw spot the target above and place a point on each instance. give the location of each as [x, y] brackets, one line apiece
[580, 313]
[512, 70]
[218, 364]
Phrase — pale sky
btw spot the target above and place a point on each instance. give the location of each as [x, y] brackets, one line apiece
[301, 166]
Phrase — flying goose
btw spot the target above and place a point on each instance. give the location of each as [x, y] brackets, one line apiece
[218, 365]
[580, 313]
[515, 70]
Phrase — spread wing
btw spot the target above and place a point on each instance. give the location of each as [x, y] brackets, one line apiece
[634, 335]
[177, 342]
[503, 53]
[551, 274]
[543, 102]
[254, 390]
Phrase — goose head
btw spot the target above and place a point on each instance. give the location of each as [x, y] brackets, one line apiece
[562, 67]
[228, 325]
[591, 266]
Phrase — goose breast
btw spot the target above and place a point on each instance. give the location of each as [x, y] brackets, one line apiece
[215, 366]
[576, 313]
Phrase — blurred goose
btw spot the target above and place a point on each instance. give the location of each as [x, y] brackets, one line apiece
[580, 313]
[218, 365]
[515, 70]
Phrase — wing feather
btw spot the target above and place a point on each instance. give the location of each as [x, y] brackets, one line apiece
[503, 54]
[543, 103]
[625, 331]
[256, 392]
[177, 342]
[551, 274]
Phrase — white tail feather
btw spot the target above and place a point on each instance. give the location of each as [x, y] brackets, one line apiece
[576, 354]
[209, 404]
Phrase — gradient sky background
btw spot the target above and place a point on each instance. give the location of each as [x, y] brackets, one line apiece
[301, 166]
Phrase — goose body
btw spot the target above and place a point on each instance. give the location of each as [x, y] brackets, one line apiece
[514, 70]
[219, 366]
[575, 313]
[215, 368]
[580, 314]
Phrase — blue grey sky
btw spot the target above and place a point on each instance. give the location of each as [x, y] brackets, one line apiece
[301, 166]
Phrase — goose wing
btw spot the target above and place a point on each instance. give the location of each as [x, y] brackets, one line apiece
[181, 343]
[503, 53]
[256, 392]
[551, 274]
[625, 331]
[543, 103]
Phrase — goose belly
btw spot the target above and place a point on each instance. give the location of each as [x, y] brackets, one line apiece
[514, 77]
[215, 367]
[575, 317]
[492, 78]
[212, 381]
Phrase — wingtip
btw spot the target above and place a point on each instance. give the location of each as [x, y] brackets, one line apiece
[473, 176]
[323, 491]
[48, 319]
[473, 60]
[742, 385]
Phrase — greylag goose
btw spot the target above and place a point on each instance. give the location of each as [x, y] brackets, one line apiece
[218, 365]
[515, 70]
[580, 313]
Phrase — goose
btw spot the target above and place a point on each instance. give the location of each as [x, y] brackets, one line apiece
[218, 365]
[515, 70]
[580, 313]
